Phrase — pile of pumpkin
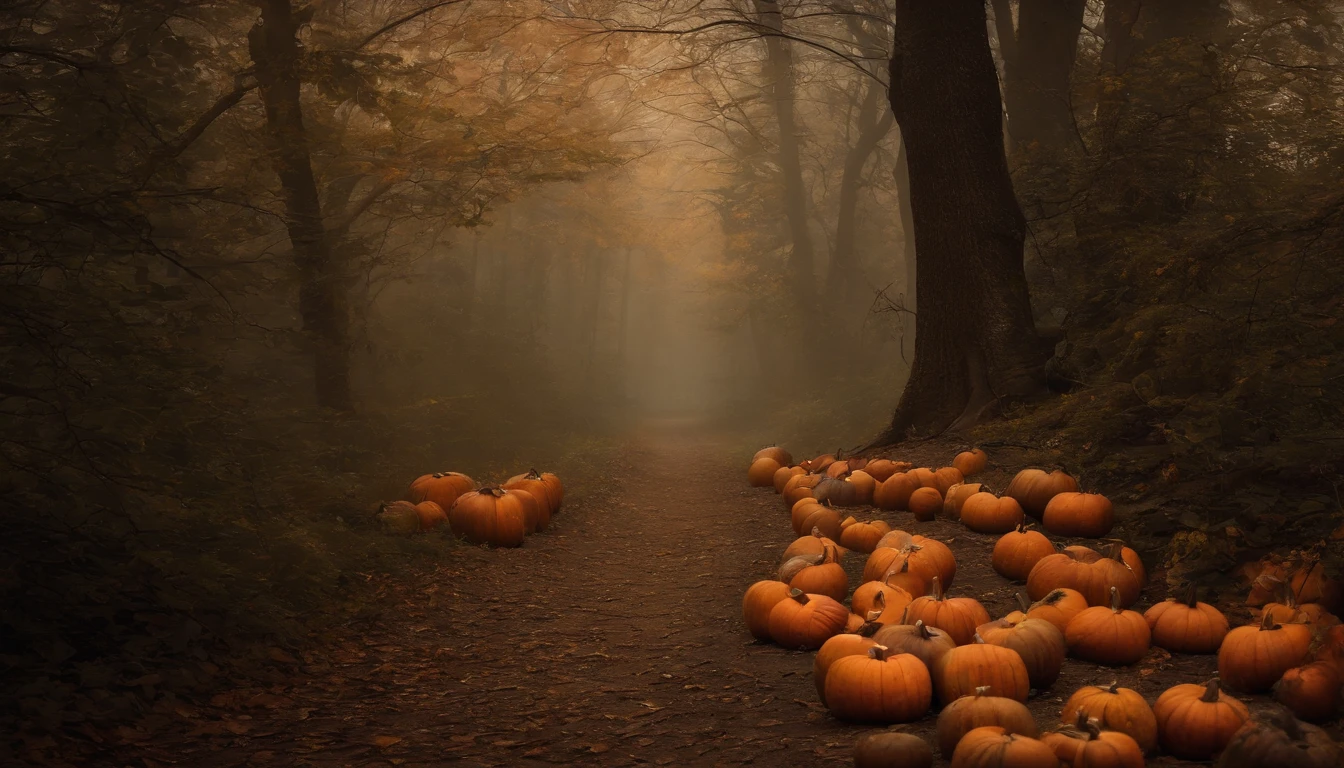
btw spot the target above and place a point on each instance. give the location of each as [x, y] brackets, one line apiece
[499, 515]
[903, 644]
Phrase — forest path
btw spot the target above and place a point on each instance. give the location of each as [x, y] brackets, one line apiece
[614, 638]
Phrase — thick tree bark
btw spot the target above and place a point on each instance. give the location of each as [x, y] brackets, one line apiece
[975, 342]
[275, 51]
[874, 121]
[779, 72]
[1038, 62]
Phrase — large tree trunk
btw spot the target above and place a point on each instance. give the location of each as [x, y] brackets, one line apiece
[874, 121]
[275, 51]
[975, 341]
[779, 72]
[1038, 62]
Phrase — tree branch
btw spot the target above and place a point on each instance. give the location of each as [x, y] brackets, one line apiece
[391, 25]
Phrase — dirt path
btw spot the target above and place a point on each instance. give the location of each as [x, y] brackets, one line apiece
[613, 639]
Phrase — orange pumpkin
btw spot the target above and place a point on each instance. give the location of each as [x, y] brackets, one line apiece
[1310, 691]
[1017, 552]
[399, 517]
[894, 492]
[825, 576]
[819, 464]
[1034, 488]
[774, 453]
[783, 475]
[987, 513]
[1186, 626]
[971, 462]
[1112, 636]
[881, 595]
[1089, 515]
[492, 516]
[958, 616]
[757, 603]
[554, 494]
[879, 688]
[980, 709]
[1093, 579]
[1195, 722]
[1115, 709]
[923, 476]
[534, 484]
[1253, 658]
[924, 503]
[430, 515]
[946, 477]
[956, 496]
[883, 749]
[925, 643]
[1039, 643]
[1088, 745]
[820, 517]
[842, 645]
[991, 746]
[800, 487]
[923, 558]
[814, 543]
[442, 488]
[1058, 607]
[881, 469]
[863, 537]
[962, 670]
[762, 471]
[806, 621]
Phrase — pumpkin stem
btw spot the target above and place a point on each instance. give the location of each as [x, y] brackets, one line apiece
[1210, 691]
[817, 532]
[870, 625]
[1190, 600]
[1114, 687]
[799, 596]
[1090, 725]
[1022, 527]
[936, 589]
[533, 474]
[1023, 602]
[878, 652]
[1115, 600]
[983, 690]
[1267, 621]
[881, 602]
[922, 630]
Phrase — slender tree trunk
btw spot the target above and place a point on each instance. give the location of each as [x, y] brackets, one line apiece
[779, 72]
[874, 120]
[975, 340]
[469, 283]
[323, 303]
[1038, 63]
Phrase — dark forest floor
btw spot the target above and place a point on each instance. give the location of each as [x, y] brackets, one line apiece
[615, 638]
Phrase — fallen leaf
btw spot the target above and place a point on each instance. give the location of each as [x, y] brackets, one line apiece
[383, 742]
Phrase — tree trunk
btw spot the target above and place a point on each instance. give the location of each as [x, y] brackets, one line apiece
[1038, 62]
[275, 51]
[975, 342]
[779, 72]
[901, 172]
[874, 121]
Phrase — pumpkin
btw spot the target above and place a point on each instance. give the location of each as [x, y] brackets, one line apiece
[922, 557]
[1310, 584]
[958, 616]
[822, 518]
[839, 646]
[554, 494]
[971, 462]
[1253, 658]
[1039, 643]
[1186, 626]
[819, 464]
[1130, 558]
[925, 503]
[991, 746]
[757, 603]
[842, 492]
[1310, 691]
[533, 484]
[492, 516]
[883, 749]
[1112, 636]
[1275, 739]
[853, 623]
[762, 471]
[1018, 551]
[806, 621]
[1088, 515]
[1286, 610]
[1331, 648]
[928, 644]
[923, 476]
[987, 513]
[962, 670]
[881, 469]
[956, 496]
[1088, 745]
[799, 510]
[1092, 579]
[881, 687]
[1058, 607]
[838, 468]
[398, 517]
[1034, 488]
[1195, 722]
[863, 537]
[896, 539]
[775, 453]
[946, 477]
[880, 595]
[442, 488]
[865, 483]
[897, 573]
[1115, 709]
[819, 574]
[783, 475]
[800, 487]
[814, 543]
[894, 492]
[430, 515]
[980, 709]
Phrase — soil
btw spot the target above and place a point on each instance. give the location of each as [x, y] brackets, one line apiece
[614, 638]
